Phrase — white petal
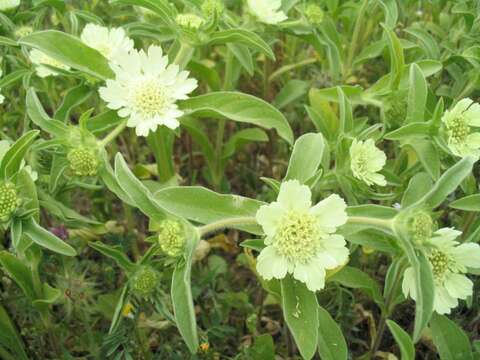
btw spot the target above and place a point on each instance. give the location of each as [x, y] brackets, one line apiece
[468, 255]
[312, 274]
[270, 265]
[443, 302]
[408, 284]
[330, 213]
[269, 217]
[294, 196]
[458, 286]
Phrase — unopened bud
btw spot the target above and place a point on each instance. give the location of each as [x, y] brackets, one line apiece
[171, 237]
[8, 201]
[83, 162]
[314, 14]
[144, 281]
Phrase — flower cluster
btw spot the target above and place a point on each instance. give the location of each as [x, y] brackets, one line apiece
[366, 160]
[301, 239]
[267, 11]
[461, 125]
[171, 237]
[44, 63]
[8, 201]
[449, 261]
[107, 41]
[144, 281]
[146, 88]
[83, 161]
[9, 4]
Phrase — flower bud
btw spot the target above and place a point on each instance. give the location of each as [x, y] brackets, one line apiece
[395, 107]
[8, 201]
[171, 237]
[23, 31]
[189, 21]
[144, 281]
[421, 227]
[83, 162]
[212, 7]
[314, 14]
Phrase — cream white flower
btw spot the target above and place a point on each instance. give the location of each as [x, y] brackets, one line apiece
[107, 41]
[365, 162]
[301, 239]
[460, 124]
[40, 59]
[450, 261]
[267, 11]
[146, 89]
[8, 4]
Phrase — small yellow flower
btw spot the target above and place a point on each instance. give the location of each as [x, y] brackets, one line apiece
[127, 310]
[204, 347]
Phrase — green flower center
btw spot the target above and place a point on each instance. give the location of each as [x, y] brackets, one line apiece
[297, 237]
[441, 264]
[458, 130]
[150, 99]
[421, 227]
[171, 238]
[83, 162]
[145, 281]
[8, 201]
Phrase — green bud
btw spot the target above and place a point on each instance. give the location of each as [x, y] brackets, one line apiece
[144, 281]
[421, 227]
[314, 14]
[212, 7]
[8, 201]
[23, 31]
[395, 107]
[83, 162]
[189, 21]
[171, 237]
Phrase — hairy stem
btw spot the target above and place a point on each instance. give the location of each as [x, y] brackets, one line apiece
[115, 132]
[226, 223]
[364, 220]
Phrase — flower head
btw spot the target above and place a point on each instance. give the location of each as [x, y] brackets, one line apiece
[460, 123]
[212, 7]
[146, 89]
[421, 227]
[171, 237]
[23, 31]
[144, 281]
[40, 59]
[8, 201]
[8, 4]
[366, 161]
[189, 21]
[267, 11]
[83, 161]
[449, 261]
[301, 239]
[107, 41]
[314, 14]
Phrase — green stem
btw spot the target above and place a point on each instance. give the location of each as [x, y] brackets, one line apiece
[355, 37]
[115, 132]
[288, 68]
[183, 55]
[364, 220]
[226, 223]
[218, 153]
